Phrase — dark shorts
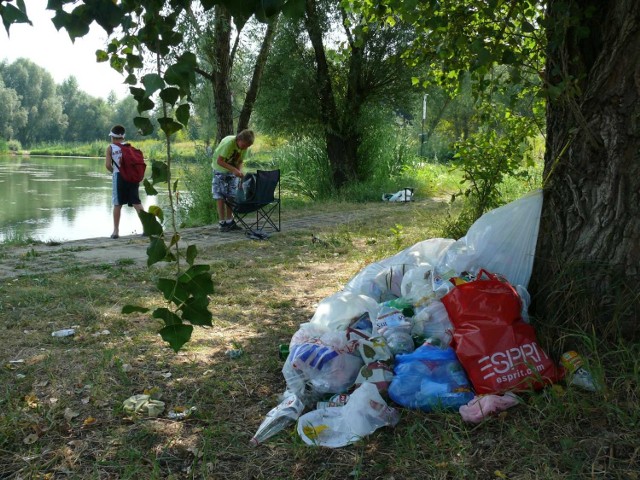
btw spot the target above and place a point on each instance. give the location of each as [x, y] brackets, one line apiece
[125, 192]
[224, 185]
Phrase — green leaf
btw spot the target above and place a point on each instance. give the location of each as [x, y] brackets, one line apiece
[152, 83]
[169, 126]
[150, 224]
[294, 9]
[195, 310]
[148, 188]
[74, 23]
[182, 73]
[193, 272]
[174, 239]
[156, 251]
[173, 291]
[144, 125]
[192, 253]
[133, 308]
[170, 95]
[145, 104]
[157, 212]
[176, 335]
[183, 113]
[200, 285]
[101, 56]
[11, 14]
[167, 315]
[159, 172]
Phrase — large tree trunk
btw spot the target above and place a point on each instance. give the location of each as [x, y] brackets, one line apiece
[336, 143]
[258, 69]
[222, 72]
[587, 267]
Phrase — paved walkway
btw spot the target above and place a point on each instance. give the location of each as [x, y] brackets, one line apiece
[36, 259]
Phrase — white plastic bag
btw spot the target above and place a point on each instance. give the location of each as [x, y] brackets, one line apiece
[426, 252]
[338, 311]
[502, 241]
[320, 362]
[334, 427]
[433, 322]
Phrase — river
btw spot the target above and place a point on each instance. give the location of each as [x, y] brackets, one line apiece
[60, 198]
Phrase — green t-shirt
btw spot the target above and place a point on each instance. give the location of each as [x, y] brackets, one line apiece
[228, 149]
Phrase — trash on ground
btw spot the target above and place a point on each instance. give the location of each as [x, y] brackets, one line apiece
[481, 407]
[441, 325]
[142, 404]
[234, 353]
[180, 413]
[67, 332]
[333, 427]
[279, 417]
[577, 372]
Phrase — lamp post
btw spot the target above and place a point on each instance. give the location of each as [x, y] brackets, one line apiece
[424, 117]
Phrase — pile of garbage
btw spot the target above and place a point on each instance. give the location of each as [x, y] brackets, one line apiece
[442, 325]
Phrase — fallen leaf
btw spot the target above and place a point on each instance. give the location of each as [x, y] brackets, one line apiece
[499, 474]
[70, 414]
[85, 400]
[29, 439]
[32, 401]
[89, 421]
[42, 384]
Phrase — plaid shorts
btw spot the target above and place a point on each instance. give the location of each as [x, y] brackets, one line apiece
[224, 185]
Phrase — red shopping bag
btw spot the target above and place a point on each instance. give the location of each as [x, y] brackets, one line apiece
[496, 347]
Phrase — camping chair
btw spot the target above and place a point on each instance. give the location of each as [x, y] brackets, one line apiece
[260, 198]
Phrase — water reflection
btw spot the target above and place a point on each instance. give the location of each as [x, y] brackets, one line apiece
[60, 198]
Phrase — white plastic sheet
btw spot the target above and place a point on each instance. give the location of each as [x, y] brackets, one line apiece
[501, 241]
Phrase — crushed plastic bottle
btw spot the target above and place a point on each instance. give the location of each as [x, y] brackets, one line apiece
[278, 418]
[67, 332]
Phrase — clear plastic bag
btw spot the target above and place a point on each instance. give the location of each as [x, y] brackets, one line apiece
[278, 418]
[334, 427]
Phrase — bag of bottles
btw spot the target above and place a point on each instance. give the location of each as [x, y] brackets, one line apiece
[430, 378]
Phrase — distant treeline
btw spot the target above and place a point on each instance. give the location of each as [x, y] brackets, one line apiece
[36, 110]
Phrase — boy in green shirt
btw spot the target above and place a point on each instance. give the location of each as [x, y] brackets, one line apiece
[227, 170]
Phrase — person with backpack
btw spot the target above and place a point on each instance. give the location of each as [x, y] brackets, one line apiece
[124, 192]
[227, 170]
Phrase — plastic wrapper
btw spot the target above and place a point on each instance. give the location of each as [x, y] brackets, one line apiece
[278, 418]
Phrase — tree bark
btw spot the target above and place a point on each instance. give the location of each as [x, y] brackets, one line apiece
[252, 92]
[222, 72]
[587, 266]
[336, 145]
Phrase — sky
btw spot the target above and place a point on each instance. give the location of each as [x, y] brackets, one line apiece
[52, 50]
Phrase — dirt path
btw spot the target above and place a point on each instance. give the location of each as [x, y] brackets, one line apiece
[36, 259]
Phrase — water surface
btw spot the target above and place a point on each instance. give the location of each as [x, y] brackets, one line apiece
[60, 198]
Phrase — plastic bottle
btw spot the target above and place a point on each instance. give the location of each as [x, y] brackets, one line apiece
[580, 376]
[67, 332]
[278, 418]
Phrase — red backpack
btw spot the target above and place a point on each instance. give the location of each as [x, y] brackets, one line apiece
[132, 164]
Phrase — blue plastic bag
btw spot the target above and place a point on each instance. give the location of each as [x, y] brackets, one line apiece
[430, 378]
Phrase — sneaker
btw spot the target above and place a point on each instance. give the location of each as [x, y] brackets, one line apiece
[233, 226]
[223, 227]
